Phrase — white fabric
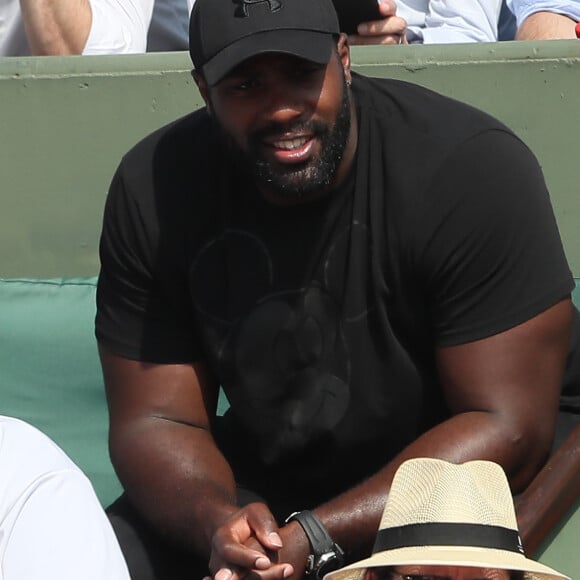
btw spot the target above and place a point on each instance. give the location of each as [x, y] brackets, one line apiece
[52, 526]
[118, 27]
[524, 8]
[12, 38]
[452, 21]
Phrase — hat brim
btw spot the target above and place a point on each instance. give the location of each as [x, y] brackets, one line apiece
[307, 44]
[445, 556]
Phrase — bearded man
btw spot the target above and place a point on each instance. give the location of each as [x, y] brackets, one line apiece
[371, 272]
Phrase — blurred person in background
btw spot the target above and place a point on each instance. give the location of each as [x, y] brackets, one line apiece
[430, 22]
[61, 27]
[545, 19]
[169, 30]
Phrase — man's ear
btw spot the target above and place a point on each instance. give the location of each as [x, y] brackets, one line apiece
[203, 88]
[343, 50]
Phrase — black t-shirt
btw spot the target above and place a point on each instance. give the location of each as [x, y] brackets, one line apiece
[320, 320]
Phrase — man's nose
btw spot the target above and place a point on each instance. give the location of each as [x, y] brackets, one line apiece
[285, 103]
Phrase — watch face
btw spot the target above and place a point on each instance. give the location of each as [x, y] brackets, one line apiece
[328, 562]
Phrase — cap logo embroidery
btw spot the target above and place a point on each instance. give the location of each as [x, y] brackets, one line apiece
[242, 8]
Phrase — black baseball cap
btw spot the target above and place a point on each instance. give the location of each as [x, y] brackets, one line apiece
[224, 33]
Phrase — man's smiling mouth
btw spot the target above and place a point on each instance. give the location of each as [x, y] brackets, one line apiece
[289, 144]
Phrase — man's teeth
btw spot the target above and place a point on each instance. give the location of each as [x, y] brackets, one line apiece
[290, 144]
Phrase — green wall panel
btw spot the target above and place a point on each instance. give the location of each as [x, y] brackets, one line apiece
[65, 122]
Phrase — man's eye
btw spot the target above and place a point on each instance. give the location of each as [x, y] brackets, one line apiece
[244, 85]
[247, 85]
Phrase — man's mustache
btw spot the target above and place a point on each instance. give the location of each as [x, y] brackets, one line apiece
[278, 129]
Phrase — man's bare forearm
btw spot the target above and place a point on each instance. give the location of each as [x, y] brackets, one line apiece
[177, 479]
[55, 27]
[502, 392]
[546, 26]
[353, 517]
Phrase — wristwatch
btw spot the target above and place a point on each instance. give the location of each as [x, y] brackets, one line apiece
[326, 555]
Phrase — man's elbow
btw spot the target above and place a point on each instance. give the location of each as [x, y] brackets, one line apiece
[530, 447]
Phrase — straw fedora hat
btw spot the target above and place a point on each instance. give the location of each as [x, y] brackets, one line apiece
[440, 513]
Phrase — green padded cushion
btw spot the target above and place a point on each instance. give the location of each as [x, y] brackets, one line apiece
[576, 293]
[49, 370]
[50, 374]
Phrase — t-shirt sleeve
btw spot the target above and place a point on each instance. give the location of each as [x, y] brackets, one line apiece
[524, 8]
[487, 247]
[143, 309]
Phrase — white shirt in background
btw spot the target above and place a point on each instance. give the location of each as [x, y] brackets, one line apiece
[52, 526]
[450, 21]
[118, 27]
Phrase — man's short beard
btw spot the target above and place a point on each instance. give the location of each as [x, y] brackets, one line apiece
[302, 180]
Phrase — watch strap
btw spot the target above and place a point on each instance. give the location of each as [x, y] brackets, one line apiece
[326, 555]
[319, 538]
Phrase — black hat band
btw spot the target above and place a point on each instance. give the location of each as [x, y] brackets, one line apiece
[448, 534]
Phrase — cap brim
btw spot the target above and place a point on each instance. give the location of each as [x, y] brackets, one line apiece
[445, 556]
[307, 44]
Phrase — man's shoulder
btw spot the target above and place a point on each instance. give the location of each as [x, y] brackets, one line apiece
[422, 110]
[172, 168]
[186, 141]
